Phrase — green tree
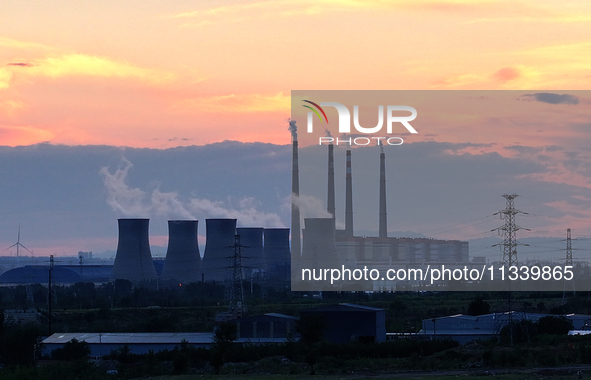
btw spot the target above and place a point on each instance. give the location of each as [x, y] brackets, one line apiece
[311, 328]
[478, 307]
[554, 325]
[224, 335]
[72, 350]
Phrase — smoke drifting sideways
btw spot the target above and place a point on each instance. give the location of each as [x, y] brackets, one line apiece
[129, 202]
[293, 128]
[309, 206]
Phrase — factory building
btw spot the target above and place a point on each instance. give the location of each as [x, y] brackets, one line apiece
[271, 325]
[139, 343]
[466, 328]
[347, 322]
[358, 249]
[354, 250]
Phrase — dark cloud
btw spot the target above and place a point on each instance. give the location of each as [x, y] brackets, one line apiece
[524, 149]
[24, 64]
[551, 98]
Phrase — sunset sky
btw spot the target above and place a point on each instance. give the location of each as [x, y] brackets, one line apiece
[164, 74]
[160, 74]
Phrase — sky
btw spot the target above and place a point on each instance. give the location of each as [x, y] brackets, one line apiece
[186, 72]
[155, 75]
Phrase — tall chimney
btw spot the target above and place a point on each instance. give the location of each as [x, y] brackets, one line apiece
[383, 209]
[133, 260]
[330, 203]
[348, 198]
[296, 247]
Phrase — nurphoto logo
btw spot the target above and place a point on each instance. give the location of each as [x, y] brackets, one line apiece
[345, 123]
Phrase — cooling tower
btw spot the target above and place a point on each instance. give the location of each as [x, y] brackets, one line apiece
[319, 250]
[383, 210]
[276, 246]
[182, 257]
[330, 198]
[296, 247]
[348, 198]
[218, 249]
[133, 261]
[251, 240]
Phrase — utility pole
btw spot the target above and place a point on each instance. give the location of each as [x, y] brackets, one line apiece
[509, 245]
[234, 288]
[49, 288]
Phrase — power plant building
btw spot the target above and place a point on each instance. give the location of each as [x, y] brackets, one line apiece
[219, 248]
[276, 246]
[251, 240]
[133, 261]
[183, 260]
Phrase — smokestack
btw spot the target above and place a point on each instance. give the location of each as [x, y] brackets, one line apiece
[330, 203]
[296, 248]
[348, 198]
[252, 240]
[219, 234]
[276, 246]
[183, 261]
[383, 209]
[133, 261]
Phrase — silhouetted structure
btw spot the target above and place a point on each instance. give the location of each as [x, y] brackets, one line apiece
[319, 250]
[183, 261]
[276, 246]
[219, 249]
[253, 255]
[133, 261]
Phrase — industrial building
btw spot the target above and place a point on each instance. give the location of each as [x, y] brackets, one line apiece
[321, 241]
[265, 251]
[466, 328]
[139, 343]
[347, 322]
[271, 325]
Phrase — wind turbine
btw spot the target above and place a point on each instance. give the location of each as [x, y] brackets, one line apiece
[18, 245]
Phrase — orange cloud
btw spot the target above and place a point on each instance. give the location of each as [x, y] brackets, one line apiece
[10, 107]
[87, 65]
[15, 135]
[488, 9]
[507, 74]
[5, 77]
[238, 103]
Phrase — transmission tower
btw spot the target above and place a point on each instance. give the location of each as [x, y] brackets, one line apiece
[568, 260]
[509, 245]
[234, 288]
[508, 231]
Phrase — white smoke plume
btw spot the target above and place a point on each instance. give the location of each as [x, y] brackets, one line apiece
[293, 128]
[123, 200]
[134, 202]
[310, 207]
[246, 214]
